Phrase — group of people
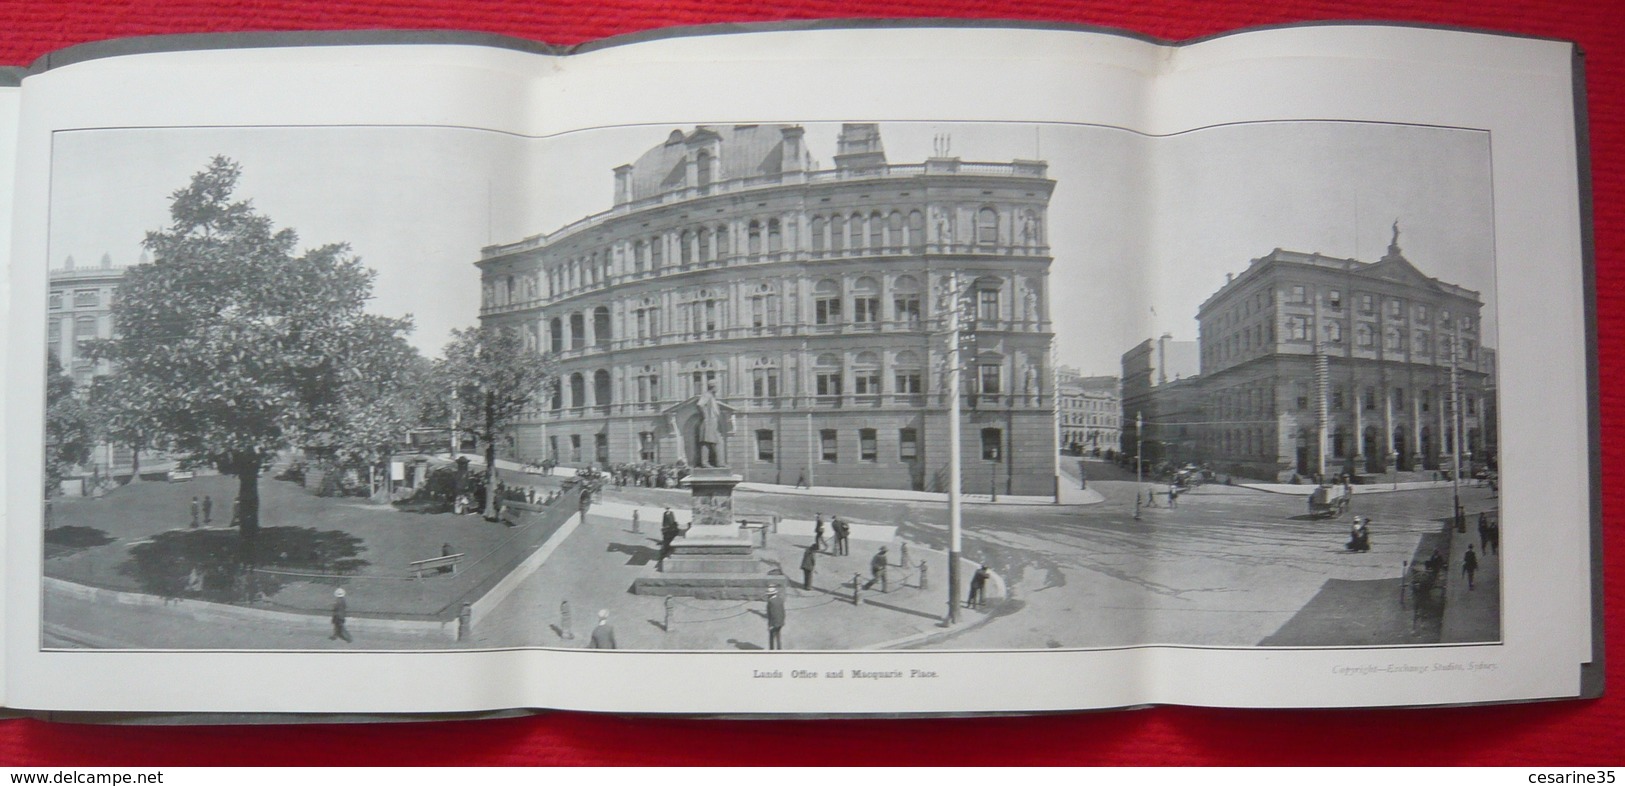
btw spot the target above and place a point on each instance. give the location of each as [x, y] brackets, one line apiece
[205, 507]
[840, 546]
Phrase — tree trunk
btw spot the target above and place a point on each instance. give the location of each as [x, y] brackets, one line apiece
[246, 466]
[490, 457]
[135, 463]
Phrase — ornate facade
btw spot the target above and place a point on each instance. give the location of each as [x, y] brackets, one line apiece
[809, 300]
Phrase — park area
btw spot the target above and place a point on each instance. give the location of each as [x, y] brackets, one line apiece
[140, 538]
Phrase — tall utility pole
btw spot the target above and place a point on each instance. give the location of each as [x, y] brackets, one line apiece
[1139, 460]
[955, 508]
[1322, 372]
[1455, 439]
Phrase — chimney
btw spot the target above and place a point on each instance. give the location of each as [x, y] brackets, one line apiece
[67, 264]
[107, 261]
[1162, 358]
[794, 153]
[623, 184]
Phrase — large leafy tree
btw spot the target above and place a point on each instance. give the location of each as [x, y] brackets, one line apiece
[237, 345]
[488, 378]
[69, 437]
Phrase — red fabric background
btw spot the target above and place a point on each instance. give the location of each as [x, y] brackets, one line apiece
[1551, 733]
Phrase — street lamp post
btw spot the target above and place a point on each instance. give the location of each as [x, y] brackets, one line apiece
[951, 303]
[1455, 440]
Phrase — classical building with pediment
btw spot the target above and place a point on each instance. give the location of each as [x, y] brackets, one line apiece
[1313, 364]
[811, 299]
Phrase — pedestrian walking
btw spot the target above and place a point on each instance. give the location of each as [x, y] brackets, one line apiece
[636, 522]
[877, 570]
[801, 480]
[1469, 566]
[1150, 498]
[1173, 496]
[208, 510]
[341, 614]
[196, 508]
[978, 588]
[809, 559]
[1483, 531]
[236, 510]
[843, 533]
[775, 619]
[603, 636]
[1495, 537]
[818, 532]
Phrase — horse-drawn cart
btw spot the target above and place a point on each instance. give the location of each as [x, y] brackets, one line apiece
[1328, 501]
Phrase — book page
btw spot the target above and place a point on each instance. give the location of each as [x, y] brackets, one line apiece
[736, 264]
[10, 107]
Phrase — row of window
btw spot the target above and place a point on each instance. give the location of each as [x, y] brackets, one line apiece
[766, 446]
[1261, 338]
[1260, 401]
[1259, 442]
[765, 380]
[703, 312]
[875, 232]
[82, 298]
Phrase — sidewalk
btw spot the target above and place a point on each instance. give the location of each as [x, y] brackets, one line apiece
[1304, 489]
[1472, 614]
[595, 567]
[1069, 496]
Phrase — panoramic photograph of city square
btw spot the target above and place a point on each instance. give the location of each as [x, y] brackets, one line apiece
[800, 386]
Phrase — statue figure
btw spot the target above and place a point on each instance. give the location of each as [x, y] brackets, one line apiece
[708, 451]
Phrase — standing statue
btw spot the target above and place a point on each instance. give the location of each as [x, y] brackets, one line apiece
[708, 450]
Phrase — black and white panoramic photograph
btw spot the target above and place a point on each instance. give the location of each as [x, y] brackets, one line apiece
[799, 386]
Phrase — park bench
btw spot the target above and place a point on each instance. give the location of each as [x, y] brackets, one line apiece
[434, 564]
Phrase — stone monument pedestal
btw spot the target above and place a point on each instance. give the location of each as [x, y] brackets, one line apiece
[714, 558]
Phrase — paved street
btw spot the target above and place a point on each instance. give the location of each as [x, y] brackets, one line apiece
[1228, 566]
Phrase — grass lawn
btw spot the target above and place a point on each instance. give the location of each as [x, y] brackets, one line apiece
[138, 538]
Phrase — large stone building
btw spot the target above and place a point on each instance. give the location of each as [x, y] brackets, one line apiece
[1160, 391]
[1314, 364]
[809, 299]
[80, 309]
[1091, 411]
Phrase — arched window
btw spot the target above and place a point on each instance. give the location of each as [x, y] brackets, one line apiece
[775, 238]
[837, 234]
[827, 375]
[685, 248]
[877, 232]
[916, 231]
[908, 373]
[706, 375]
[722, 241]
[601, 391]
[555, 331]
[854, 232]
[818, 234]
[866, 374]
[578, 390]
[894, 231]
[753, 237]
[1364, 335]
[702, 166]
[827, 302]
[657, 253]
[764, 307]
[764, 377]
[578, 331]
[600, 326]
[640, 251]
[866, 301]
[648, 385]
[906, 300]
[987, 226]
[705, 245]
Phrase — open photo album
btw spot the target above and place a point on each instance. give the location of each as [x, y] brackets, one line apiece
[809, 369]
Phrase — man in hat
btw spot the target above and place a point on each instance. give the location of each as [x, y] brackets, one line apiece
[1469, 565]
[208, 510]
[978, 588]
[341, 612]
[843, 531]
[809, 560]
[877, 570]
[195, 508]
[603, 636]
[818, 532]
[775, 618]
